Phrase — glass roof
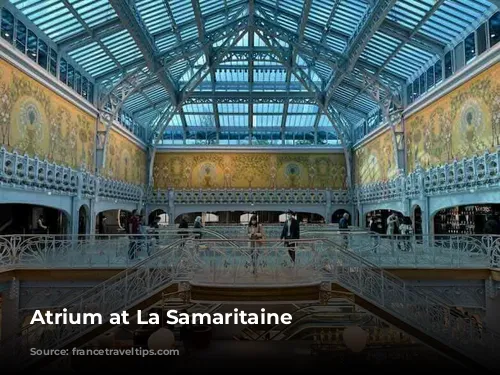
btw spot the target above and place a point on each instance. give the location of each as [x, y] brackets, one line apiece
[254, 69]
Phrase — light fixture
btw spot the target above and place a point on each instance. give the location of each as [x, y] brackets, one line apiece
[161, 340]
[355, 338]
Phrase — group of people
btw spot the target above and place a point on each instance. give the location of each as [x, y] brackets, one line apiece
[137, 229]
[289, 234]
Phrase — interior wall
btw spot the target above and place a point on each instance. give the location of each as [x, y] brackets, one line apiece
[374, 161]
[249, 170]
[461, 124]
[125, 160]
[37, 122]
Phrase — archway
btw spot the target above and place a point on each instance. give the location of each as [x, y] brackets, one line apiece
[83, 220]
[465, 219]
[417, 220]
[337, 215]
[20, 218]
[380, 219]
[111, 221]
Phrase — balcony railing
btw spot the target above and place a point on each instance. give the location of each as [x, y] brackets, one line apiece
[119, 251]
[23, 171]
[477, 172]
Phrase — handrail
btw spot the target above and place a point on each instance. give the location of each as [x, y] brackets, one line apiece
[392, 294]
[115, 294]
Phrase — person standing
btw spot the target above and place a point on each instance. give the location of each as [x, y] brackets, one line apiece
[184, 225]
[133, 230]
[374, 233]
[255, 235]
[198, 225]
[406, 230]
[41, 228]
[344, 227]
[291, 231]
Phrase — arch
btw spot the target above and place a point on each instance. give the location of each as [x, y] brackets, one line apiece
[486, 197]
[108, 205]
[380, 217]
[186, 209]
[35, 198]
[337, 215]
[83, 219]
[465, 218]
[24, 218]
[392, 206]
[416, 218]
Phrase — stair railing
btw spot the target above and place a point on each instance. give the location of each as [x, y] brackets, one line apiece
[403, 301]
[116, 294]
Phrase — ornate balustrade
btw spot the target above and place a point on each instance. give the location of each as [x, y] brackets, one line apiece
[216, 263]
[248, 196]
[459, 176]
[24, 172]
[112, 251]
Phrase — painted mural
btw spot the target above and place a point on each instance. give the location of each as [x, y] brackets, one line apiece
[37, 122]
[374, 161]
[463, 123]
[249, 170]
[125, 161]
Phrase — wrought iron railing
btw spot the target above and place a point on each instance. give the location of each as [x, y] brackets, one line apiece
[324, 260]
[403, 301]
[116, 294]
[113, 251]
[419, 251]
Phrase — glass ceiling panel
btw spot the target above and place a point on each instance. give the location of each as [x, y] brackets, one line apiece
[108, 49]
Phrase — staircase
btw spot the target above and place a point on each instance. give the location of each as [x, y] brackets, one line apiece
[424, 317]
[133, 289]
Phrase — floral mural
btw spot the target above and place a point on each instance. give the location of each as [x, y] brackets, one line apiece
[125, 161]
[37, 122]
[461, 124]
[374, 161]
[249, 170]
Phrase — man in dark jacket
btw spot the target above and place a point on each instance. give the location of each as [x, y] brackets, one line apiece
[291, 231]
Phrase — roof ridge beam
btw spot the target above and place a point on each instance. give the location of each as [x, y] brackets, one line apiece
[358, 42]
[130, 18]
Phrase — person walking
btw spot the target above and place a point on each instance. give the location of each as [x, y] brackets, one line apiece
[198, 225]
[374, 233]
[290, 232]
[406, 230]
[255, 235]
[344, 227]
[183, 225]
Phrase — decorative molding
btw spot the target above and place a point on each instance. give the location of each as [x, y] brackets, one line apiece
[251, 149]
